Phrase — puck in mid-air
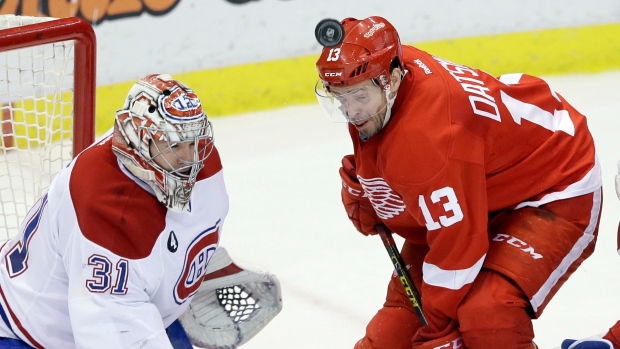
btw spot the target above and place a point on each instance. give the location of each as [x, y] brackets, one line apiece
[329, 32]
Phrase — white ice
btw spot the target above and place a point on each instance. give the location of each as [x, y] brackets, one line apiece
[281, 170]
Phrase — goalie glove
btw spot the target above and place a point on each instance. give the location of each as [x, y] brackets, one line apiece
[232, 304]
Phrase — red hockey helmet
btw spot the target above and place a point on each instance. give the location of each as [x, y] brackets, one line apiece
[367, 50]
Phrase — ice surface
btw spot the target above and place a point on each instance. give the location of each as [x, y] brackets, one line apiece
[281, 170]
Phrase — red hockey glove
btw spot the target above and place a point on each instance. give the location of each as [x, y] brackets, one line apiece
[356, 203]
[450, 338]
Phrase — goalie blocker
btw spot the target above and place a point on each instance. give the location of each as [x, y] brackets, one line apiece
[232, 304]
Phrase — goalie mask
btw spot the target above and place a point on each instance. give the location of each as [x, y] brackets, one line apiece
[368, 51]
[162, 136]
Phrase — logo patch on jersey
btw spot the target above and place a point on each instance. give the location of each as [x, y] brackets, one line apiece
[197, 257]
[384, 200]
[173, 243]
[423, 66]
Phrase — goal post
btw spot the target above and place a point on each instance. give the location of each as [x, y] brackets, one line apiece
[47, 106]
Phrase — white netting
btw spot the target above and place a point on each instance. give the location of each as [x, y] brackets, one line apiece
[237, 301]
[36, 109]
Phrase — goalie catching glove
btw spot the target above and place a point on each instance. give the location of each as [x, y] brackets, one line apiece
[232, 304]
[356, 203]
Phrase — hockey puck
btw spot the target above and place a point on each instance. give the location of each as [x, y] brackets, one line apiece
[329, 32]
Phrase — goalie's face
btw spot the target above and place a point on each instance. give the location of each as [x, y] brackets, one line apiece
[176, 158]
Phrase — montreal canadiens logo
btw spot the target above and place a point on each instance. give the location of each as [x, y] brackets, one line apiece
[181, 105]
[197, 257]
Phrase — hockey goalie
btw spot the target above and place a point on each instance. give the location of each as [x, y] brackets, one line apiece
[232, 305]
[117, 249]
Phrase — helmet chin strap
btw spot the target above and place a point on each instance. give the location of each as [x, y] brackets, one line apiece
[388, 111]
[390, 101]
[388, 107]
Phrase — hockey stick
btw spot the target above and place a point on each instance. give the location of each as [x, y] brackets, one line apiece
[401, 270]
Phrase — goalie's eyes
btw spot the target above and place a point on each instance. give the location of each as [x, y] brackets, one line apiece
[177, 145]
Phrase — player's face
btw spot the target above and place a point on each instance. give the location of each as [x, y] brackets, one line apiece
[363, 105]
[174, 157]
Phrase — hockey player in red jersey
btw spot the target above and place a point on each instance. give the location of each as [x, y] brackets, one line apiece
[611, 339]
[121, 244]
[493, 183]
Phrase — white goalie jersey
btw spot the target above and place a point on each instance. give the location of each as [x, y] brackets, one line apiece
[100, 260]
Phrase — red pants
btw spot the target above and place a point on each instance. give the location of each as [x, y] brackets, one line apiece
[505, 296]
[614, 335]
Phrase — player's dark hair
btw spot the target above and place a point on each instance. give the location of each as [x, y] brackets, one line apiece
[395, 64]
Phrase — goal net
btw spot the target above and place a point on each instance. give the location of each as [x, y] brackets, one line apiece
[47, 89]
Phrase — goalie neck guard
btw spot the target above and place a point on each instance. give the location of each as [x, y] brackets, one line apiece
[162, 136]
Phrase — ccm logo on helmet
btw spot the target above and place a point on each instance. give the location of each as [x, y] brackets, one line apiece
[332, 74]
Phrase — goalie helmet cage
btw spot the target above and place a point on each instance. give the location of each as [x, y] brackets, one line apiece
[47, 106]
